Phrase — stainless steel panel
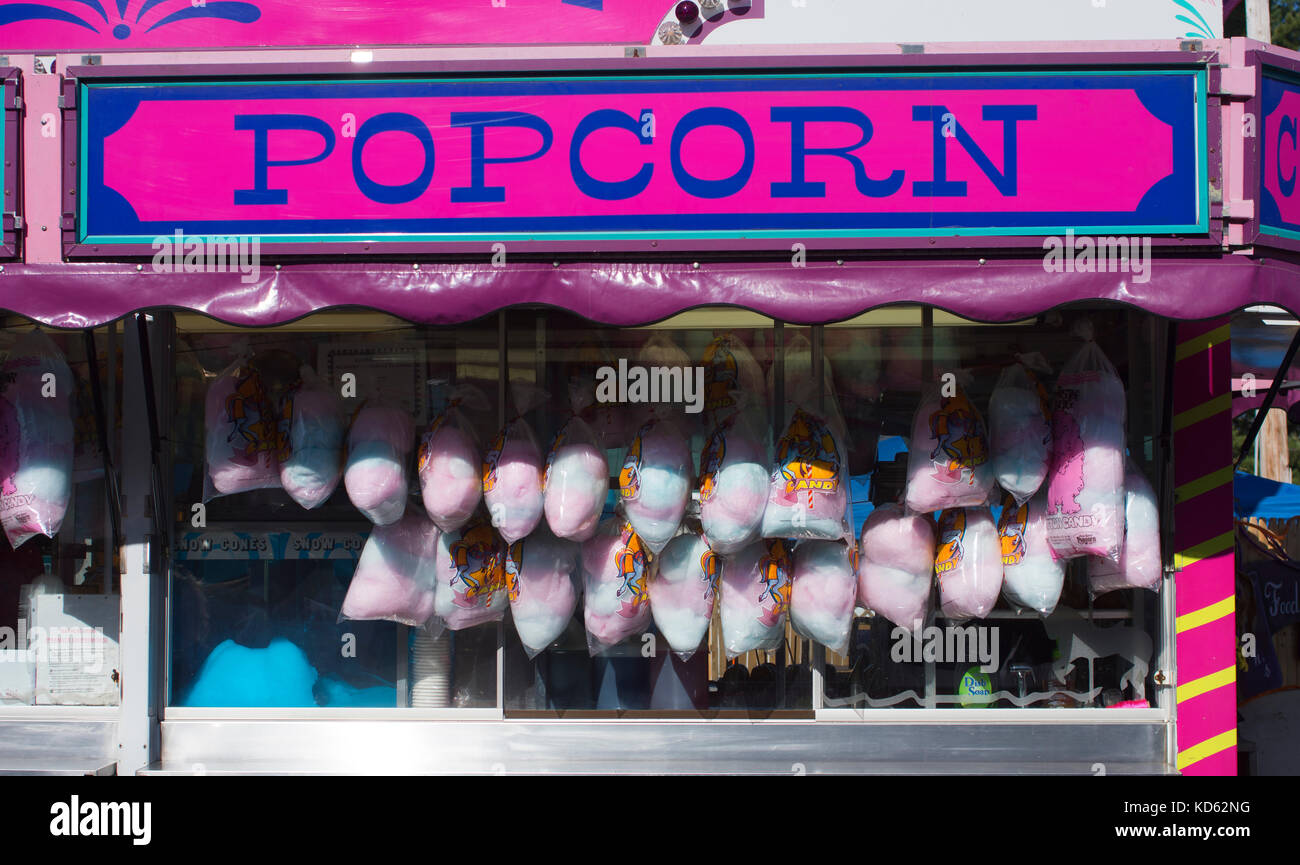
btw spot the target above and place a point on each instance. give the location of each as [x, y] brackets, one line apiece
[44, 747]
[515, 747]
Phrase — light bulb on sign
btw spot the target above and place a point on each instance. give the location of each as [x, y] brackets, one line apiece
[670, 33]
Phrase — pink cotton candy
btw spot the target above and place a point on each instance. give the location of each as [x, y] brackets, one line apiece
[543, 582]
[947, 464]
[512, 481]
[450, 485]
[36, 440]
[896, 566]
[755, 597]
[733, 485]
[243, 432]
[822, 594]
[1140, 564]
[967, 563]
[1085, 493]
[395, 575]
[312, 465]
[576, 483]
[471, 577]
[1032, 576]
[807, 495]
[615, 566]
[655, 482]
[683, 591]
[379, 446]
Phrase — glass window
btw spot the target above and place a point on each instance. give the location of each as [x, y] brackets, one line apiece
[59, 591]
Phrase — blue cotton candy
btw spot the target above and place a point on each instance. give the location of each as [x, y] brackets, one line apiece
[234, 675]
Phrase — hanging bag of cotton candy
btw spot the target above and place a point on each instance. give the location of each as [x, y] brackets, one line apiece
[396, 574]
[379, 449]
[449, 465]
[1020, 427]
[755, 597]
[1140, 564]
[732, 378]
[513, 470]
[823, 591]
[655, 481]
[948, 453]
[37, 438]
[734, 475]
[616, 579]
[243, 432]
[311, 464]
[1085, 490]
[967, 564]
[471, 576]
[683, 590]
[1032, 575]
[807, 493]
[575, 483]
[543, 582]
[896, 566]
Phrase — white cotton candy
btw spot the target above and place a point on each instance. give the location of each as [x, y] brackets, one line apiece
[1032, 575]
[543, 582]
[655, 482]
[1020, 432]
[616, 572]
[313, 465]
[379, 445]
[471, 577]
[733, 484]
[947, 463]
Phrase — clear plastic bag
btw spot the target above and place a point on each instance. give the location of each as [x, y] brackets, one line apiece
[1032, 575]
[616, 576]
[683, 591]
[731, 375]
[755, 597]
[243, 433]
[948, 454]
[311, 464]
[1020, 428]
[734, 467]
[471, 576]
[967, 564]
[451, 485]
[512, 481]
[379, 449]
[655, 482]
[823, 591]
[543, 582]
[37, 438]
[896, 566]
[1140, 564]
[1085, 492]
[807, 491]
[395, 576]
[576, 482]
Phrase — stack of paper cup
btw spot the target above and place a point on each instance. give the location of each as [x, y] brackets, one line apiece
[430, 671]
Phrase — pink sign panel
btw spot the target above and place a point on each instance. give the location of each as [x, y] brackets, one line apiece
[151, 25]
[745, 156]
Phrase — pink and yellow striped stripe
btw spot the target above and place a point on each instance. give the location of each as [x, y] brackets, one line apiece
[1204, 591]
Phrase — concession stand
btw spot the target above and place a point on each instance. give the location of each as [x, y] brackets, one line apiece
[537, 220]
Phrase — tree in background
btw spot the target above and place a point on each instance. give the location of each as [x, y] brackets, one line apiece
[1284, 18]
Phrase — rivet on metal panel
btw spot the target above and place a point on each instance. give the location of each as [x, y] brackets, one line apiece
[139, 267]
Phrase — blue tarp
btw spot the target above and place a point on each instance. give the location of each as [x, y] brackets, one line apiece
[1253, 496]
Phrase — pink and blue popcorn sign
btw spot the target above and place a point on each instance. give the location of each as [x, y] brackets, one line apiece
[759, 157]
